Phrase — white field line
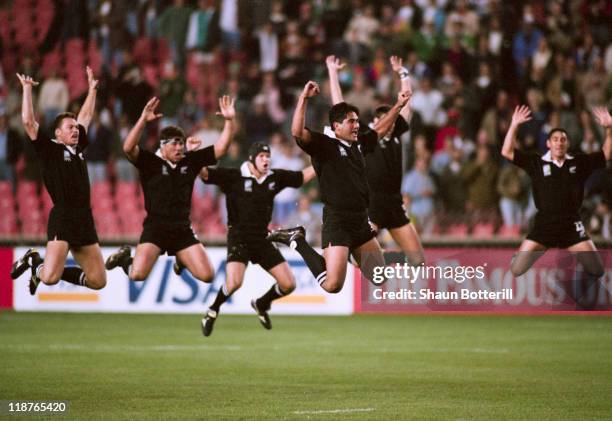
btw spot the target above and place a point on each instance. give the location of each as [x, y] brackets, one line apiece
[334, 411]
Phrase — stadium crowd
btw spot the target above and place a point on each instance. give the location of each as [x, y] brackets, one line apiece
[470, 62]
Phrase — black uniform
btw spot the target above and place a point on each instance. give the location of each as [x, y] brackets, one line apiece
[65, 176]
[340, 168]
[167, 193]
[558, 194]
[384, 171]
[249, 211]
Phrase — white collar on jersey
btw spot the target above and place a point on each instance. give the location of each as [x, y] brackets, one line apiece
[172, 164]
[548, 158]
[72, 149]
[327, 131]
[246, 172]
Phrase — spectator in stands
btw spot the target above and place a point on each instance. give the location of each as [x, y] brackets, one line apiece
[10, 148]
[98, 152]
[268, 48]
[172, 90]
[172, 25]
[480, 177]
[203, 30]
[418, 189]
[285, 202]
[513, 189]
[132, 90]
[525, 43]
[53, 97]
[305, 216]
[452, 190]
[427, 101]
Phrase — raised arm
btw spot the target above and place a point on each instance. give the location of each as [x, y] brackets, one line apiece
[404, 74]
[605, 120]
[522, 113]
[228, 112]
[308, 174]
[383, 125]
[130, 146]
[333, 66]
[87, 110]
[27, 108]
[298, 130]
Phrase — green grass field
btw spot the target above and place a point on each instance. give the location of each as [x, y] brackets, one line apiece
[360, 367]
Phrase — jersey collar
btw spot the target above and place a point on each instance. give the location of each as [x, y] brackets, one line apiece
[327, 131]
[246, 172]
[548, 158]
[159, 154]
[72, 149]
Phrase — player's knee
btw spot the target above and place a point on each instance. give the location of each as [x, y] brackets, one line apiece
[517, 270]
[138, 275]
[332, 286]
[51, 279]
[206, 275]
[597, 271]
[96, 283]
[233, 285]
[287, 287]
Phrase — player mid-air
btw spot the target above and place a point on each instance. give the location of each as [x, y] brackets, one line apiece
[167, 177]
[558, 180]
[71, 224]
[249, 197]
[384, 167]
[338, 160]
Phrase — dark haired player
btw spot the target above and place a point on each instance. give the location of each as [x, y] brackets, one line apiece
[338, 159]
[249, 193]
[167, 178]
[71, 225]
[384, 167]
[558, 187]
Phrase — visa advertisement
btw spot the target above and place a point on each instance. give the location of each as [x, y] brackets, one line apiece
[165, 292]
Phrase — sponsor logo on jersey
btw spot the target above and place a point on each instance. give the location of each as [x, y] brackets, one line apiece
[342, 151]
[546, 169]
[248, 185]
[67, 156]
[573, 170]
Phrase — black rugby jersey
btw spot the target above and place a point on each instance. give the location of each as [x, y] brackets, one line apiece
[167, 188]
[558, 192]
[249, 201]
[64, 170]
[384, 164]
[340, 168]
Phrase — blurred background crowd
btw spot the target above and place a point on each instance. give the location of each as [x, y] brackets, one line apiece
[471, 63]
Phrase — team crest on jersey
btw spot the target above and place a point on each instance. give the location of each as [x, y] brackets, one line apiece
[164, 170]
[248, 185]
[81, 156]
[272, 185]
[573, 170]
[342, 151]
[546, 169]
[183, 170]
[67, 157]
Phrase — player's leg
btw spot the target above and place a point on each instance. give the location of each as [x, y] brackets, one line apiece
[527, 254]
[585, 282]
[50, 270]
[407, 238]
[369, 255]
[195, 259]
[91, 265]
[589, 257]
[285, 284]
[295, 238]
[336, 260]
[233, 281]
[145, 257]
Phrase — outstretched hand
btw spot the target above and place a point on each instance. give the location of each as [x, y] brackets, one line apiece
[603, 117]
[91, 81]
[310, 89]
[333, 63]
[148, 112]
[26, 80]
[396, 63]
[226, 105]
[522, 114]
